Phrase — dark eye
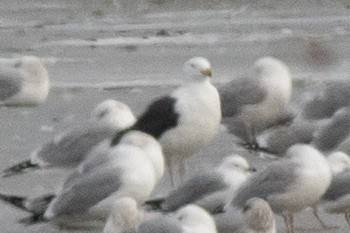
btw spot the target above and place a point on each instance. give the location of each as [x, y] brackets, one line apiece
[193, 66]
[246, 208]
[17, 64]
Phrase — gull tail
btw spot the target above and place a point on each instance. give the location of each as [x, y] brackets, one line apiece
[154, 204]
[17, 201]
[34, 219]
[20, 168]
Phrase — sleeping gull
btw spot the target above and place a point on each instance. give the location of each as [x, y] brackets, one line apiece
[194, 219]
[334, 132]
[281, 138]
[69, 148]
[188, 219]
[324, 104]
[124, 216]
[24, 84]
[289, 185]
[212, 190]
[130, 169]
[255, 217]
[261, 99]
[185, 120]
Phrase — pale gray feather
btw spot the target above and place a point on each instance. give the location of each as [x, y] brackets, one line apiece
[74, 145]
[274, 179]
[86, 191]
[238, 93]
[330, 136]
[160, 224]
[340, 186]
[193, 190]
[10, 82]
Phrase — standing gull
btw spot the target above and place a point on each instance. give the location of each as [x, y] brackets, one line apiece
[249, 103]
[130, 169]
[212, 191]
[255, 217]
[24, 84]
[68, 149]
[185, 120]
[290, 185]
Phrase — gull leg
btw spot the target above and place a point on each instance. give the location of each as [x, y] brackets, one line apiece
[172, 165]
[323, 224]
[288, 220]
[182, 171]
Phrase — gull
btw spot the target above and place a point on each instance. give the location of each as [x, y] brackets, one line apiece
[188, 219]
[250, 103]
[26, 83]
[130, 169]
[124, 215]
[289, 185]
[212, 190]
[185, 120]
[69, 148]
[324, 104]
[334, 132]
[338, 162]
[255, 217]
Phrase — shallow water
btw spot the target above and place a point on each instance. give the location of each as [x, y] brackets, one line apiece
[94, 51]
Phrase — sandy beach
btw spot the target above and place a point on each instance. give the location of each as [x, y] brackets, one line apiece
[94, 52]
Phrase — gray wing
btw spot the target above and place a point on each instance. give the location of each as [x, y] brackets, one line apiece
[10, 82]
[335, 132]
[335, 96]
[340, 186]
[193, 190]
[274, 179]
[86, 192]
[282, 138]
[240, 92]
[160, 225]
[74, 146]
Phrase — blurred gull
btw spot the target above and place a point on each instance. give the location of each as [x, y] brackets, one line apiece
[185, 120]
[255, 217]
[130, 169]
[188, 219]
[212, 190]
[337, 198]
[124, 216]
[24, 84]
[334, 132]
[69, 148]
[194, 219]
[281, 138]
[289, 185]
[324, 104]
[338, 162]
[257, 101]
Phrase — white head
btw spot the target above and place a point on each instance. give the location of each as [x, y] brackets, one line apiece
[33, 69]
[338, 162]
[150, 146]
[193, 216]
[258, 215]
[125, 213]
[269, 66]
[114, 113]
[198, 67]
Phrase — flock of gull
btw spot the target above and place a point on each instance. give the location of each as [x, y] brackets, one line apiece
[117, 159]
